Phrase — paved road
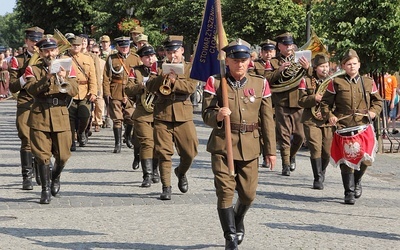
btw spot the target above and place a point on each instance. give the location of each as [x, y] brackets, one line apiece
[102, 206]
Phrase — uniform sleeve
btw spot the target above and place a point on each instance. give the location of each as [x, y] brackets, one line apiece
[267, 122]
[135, 84]
[327, 101]
[13, 68]
[211, 104]
[306, 94]
[92, 77]
[376, 101]
[184, 84]
[107, 77]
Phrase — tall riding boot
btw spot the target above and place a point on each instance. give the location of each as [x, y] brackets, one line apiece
[240, 212]
[45, 179]
[55, 179]
[325, 163]
[147, 167]
[27, 170]
[227, 219]
[136, 158]
[73, 145]
[348, 184]
[166, 193]
[285, 156]
[118, 140]
[357, 180]
[317, 172]
[82, 137]
[292, 163]
[35, 168]
[156, 175]
[128, 136]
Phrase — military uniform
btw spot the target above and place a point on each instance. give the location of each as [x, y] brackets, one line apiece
[80, 109]
[173, 120]
[318, 133]
[135, 34]
[249, 100]
[4, 74]
[49, 120]
[17, 68]
[115, 77]
[289, 129]
[143, 117]
[347, 99]
[263, 65]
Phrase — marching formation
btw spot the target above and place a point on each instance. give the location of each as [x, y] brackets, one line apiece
[66, 84]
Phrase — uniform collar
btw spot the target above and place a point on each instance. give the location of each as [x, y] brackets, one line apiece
[352, 80]
[236, 84]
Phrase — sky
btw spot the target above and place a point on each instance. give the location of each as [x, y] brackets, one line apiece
[6, 6]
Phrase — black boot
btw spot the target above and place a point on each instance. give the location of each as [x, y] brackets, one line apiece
[183, 184]
[117, 138]
[128, 136]
[27, 170]
[325, 163]
[348, 184]
[292, 163]
[286, 170]
[156, 175]
[227, 219]
[147, 167]
[73, 145]
[35, 168]
[166, 193]
[82, 135]
[240, 212]
[317, 172]
[55, 179]
[357, 181]
[136, 158]
[45, 179]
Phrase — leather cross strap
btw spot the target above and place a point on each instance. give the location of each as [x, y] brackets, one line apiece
[123, 64]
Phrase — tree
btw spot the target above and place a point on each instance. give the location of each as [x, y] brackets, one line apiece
[11, 31]
[372, 29]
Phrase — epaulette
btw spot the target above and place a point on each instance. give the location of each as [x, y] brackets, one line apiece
[255, 75]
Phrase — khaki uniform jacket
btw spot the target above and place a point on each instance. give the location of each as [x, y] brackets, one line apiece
[98, 65]
[135, 89]
[85, 75]
[287, 98]
[115, 76]
[259, 68]
[307, 101]
[348, 98]
[17, 68]
[246, 146]
[45, 116]
[177, 106]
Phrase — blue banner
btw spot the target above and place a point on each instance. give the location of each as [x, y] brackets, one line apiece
[205, 60]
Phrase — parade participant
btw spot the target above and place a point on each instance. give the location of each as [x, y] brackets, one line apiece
[289, 129]
[173, 116]
[17, 68]
[135, 34]
[250, 108]
[317, 132]
[106, 50]
[350, 102]
[80, 108]
[48, 120]
[99, 111]
[115, 77]
[143, 114]
[4, 74]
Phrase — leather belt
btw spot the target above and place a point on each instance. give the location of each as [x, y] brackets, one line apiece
[356, 112]
[243, 127]
[117, 81]
[174, 97]
[82, 82]
[52, 101]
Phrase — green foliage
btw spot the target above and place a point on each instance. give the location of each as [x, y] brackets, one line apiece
[11, 31]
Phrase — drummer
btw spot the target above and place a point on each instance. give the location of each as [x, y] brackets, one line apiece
[357, 102]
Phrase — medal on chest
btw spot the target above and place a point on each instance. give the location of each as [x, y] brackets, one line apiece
[249, 95]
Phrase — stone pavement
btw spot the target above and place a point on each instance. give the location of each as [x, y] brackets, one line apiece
[102, 206]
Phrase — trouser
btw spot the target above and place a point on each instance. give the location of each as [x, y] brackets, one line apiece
[319, 141]
[98, 111]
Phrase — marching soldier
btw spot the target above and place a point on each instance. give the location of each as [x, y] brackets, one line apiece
[80, 109]
[135, 34]
[173, 116]
[48, 120]
[289, 129]
[318, 133]
[115, 77]
[250, 108]
[106, 50]
[143, 114]
[17, 68]
[4, 74]
[351, 101]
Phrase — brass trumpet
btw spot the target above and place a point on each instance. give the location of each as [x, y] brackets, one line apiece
[165, 88]
[147, 99]
[63, 86]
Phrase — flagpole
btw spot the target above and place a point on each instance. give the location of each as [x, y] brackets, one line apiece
[224, 88]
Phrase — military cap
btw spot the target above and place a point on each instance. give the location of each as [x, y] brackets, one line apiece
[105, 38]
[76, 40]
[285, 38]
[3, 49]
[319, 59]
[123, 41]
[237, 49]
[137, 29]
[173, 43]
[146, 51]
[47, 43]
[268, 45]
[34, 33]
[69, 36]
[142, 37]
[349, 54]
